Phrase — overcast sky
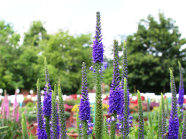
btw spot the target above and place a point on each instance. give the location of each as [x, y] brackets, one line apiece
[119, 17]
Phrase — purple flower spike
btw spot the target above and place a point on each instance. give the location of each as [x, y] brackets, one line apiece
[173, 121]
[116, 101]
[181, 90]
[84, 108]
[97, 53]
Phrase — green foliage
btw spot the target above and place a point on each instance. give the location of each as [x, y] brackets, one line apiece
[9, 129]
[22, 64]
[156, 46]
[24, 127]
[152, 49]
[36, 33]
[64, 53]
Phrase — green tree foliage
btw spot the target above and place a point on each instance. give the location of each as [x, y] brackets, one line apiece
[152, 50]
[36, 33]
[22, 64]
[9, 51]
[64, 54]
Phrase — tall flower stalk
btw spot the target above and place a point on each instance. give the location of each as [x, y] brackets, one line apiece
[15, 112]
[160, 122]
[141, 120]
[173, 121]
[125, 120]
[47, 101]
[61, 114]
[40, 129]
[97, 55]
[116, 93]
[163, 117]
[5, 107]
[181, 91]
[54, 118]
[84, 108]
[184, 127]
[125, 130]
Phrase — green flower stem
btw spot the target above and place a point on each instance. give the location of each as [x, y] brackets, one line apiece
[141, 120]
[47, 127]
[99, 112]
[160, 122]
[105, 134]
[24, 127]
[126, 110]
[61, 114]
[85, 127]
[54, 113]
[78, 123]
[163, 117]
[113, 126]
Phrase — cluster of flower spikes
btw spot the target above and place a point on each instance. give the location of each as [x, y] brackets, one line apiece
[97, 52]
[174, 120]
[116, 99]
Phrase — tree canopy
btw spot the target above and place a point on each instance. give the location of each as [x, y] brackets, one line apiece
[156, 46]
[152, 50]
[22, 64]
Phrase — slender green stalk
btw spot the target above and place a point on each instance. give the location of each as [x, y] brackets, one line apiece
[24, 127]
[184, 127]
[47, 126]
[141, 120]
[61, 114]
[160, 122]
[85, 128]
[163, 117]
[99, 112]
[113, 126]
[105, 130]
[54, 115]
[78, 126]
[126, 111]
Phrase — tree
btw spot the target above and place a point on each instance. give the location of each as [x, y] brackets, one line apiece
[154, 48]
[65, 54]
[36, 33]
[9, 53]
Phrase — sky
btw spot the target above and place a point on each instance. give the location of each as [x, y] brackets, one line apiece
[118, 17]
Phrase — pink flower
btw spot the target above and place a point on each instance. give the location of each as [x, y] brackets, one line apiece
[5, 107]
[15, 112]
